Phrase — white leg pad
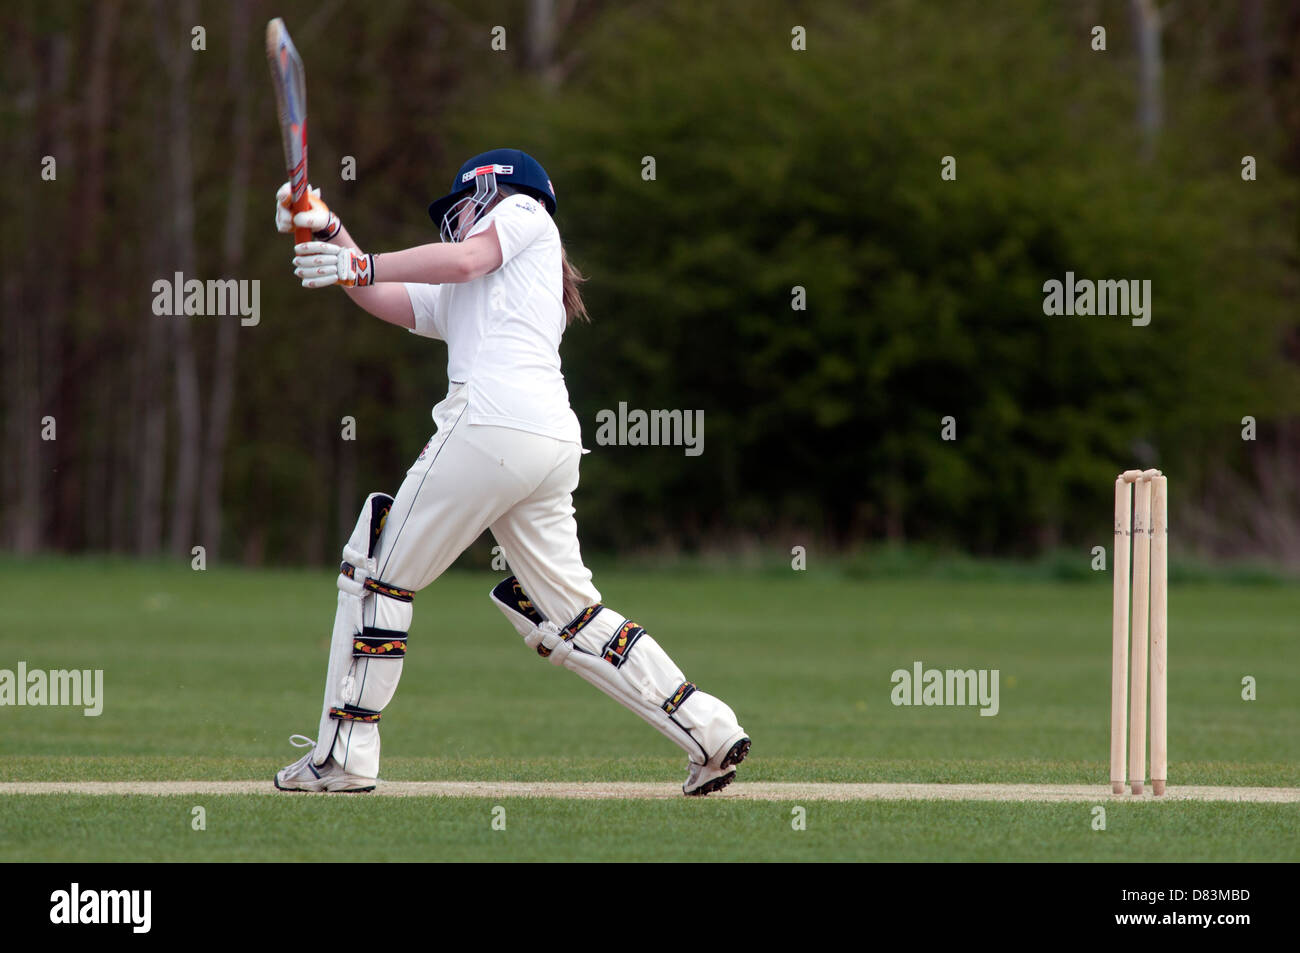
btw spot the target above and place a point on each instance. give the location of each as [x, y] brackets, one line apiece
[365, 660]
[623, 661]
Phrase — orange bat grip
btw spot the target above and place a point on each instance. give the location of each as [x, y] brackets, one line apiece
[301, 235]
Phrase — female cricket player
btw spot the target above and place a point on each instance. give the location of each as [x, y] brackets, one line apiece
[500, 292]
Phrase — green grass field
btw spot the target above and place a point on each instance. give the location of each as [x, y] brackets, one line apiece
[207, 673]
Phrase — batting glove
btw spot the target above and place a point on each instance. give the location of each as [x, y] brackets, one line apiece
[319, 264]
[323, 223]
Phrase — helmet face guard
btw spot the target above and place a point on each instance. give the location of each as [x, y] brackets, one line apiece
[478, 184]
[464, 213]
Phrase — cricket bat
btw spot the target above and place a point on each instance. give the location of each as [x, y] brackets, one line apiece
[290, 82]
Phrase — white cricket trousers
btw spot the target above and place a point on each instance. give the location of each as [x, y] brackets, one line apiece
[472, 477]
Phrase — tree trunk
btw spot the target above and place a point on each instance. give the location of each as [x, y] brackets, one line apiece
[99, 480]
[21, 421]
[149, 425]
[1256, 43]
[232, 258]
[55, 493]
[171, 35]
[1150, 117]
[541, 35]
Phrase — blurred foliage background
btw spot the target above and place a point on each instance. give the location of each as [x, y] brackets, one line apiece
[774, 168]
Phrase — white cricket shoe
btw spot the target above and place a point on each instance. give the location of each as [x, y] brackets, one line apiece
[302, 775]
[718, 771]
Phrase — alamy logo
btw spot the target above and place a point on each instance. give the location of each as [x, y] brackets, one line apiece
[655, 428]
[57, 687]
[217, 297]
[956, 687]
[103, 907]
[1105, 297]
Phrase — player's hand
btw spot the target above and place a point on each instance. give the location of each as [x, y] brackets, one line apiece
[319, 264]
[324, 224]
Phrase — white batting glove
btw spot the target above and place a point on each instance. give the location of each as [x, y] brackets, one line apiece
[324, 224]
[319, 264]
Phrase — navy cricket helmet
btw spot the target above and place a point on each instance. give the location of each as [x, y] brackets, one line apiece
[476, 185]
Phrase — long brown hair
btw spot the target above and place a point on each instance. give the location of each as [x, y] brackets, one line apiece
[574, 309]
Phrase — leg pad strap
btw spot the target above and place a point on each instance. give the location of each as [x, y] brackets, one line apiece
[353, 713]
[376, 585]
[379, 643]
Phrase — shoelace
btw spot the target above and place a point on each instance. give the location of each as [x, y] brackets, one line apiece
[302, 741]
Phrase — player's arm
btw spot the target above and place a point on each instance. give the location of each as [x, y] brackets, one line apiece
[321, 263]
[442, 262]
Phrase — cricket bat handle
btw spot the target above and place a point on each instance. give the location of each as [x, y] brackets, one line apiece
[301, 235]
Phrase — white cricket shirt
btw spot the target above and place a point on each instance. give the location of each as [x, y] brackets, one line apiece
[503, 330]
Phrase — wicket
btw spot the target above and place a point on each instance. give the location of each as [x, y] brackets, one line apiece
[1144, 494]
